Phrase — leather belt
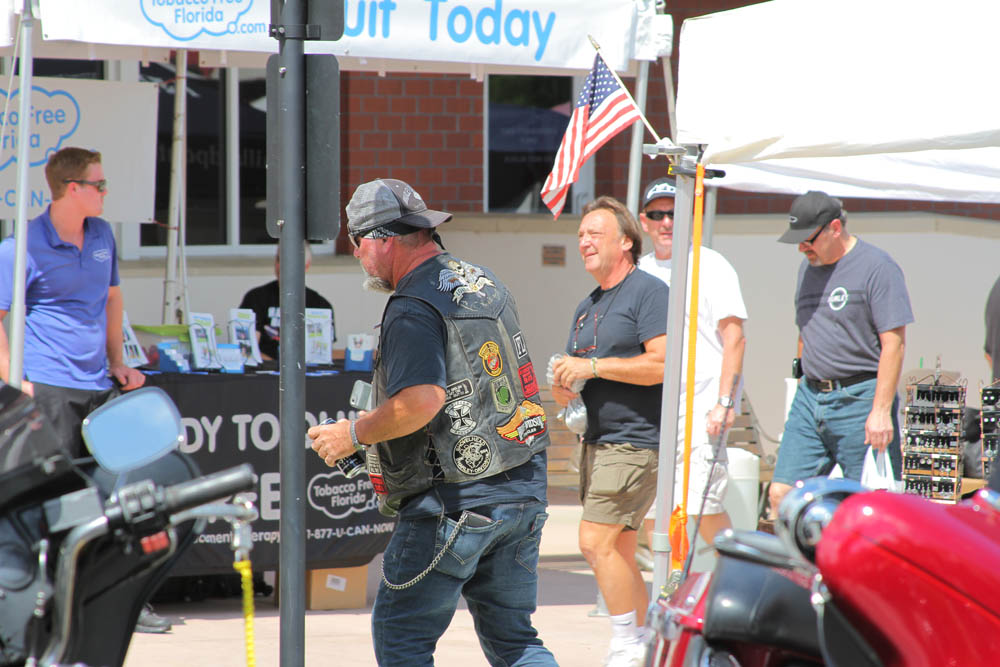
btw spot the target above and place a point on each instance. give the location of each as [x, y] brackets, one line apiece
[830, 385]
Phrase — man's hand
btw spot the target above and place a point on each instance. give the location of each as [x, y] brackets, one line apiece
[332, 441]
[127, 377]
[878, 429]
[562, 396]
[719, 418]
[566, 370]
[28, 388]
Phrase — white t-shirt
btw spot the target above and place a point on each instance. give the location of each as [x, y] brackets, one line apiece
[719, 297]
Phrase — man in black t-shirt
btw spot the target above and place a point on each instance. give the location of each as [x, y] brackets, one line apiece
[264, 302]
[618, 345]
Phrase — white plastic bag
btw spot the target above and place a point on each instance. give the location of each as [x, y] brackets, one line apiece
[877, 472]
[575, 413]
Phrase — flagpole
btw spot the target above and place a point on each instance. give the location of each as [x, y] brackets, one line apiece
[597, 47]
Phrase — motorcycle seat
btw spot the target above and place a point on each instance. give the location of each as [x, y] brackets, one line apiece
[756, 604]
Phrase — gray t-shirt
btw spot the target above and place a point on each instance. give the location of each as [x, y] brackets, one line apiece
[992, 345]
[615, 323]
[841, 309]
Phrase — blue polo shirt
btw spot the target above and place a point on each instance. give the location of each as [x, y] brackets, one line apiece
[66, 292]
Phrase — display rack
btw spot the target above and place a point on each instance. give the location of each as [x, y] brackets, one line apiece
[932, 437]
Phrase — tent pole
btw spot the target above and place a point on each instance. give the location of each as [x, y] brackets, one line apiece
[233, 207]
[672, 370]
[177, 155]
[17, 310]
[668, 84]
[635, 150]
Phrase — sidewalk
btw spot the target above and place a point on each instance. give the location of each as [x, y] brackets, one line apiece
[211, 632]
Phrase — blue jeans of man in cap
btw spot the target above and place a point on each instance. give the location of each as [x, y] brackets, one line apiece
[492, 563]
[826, 428]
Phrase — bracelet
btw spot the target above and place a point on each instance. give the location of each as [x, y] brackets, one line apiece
[593, 366]
[354, 438]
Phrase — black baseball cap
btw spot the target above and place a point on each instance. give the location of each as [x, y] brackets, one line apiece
[809, 212]
[661, 187]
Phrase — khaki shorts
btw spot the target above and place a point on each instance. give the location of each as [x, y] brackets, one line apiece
[617, 483]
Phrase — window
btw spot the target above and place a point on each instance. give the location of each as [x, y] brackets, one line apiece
[527, 117]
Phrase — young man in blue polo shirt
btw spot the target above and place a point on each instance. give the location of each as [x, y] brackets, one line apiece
[73, 319]
[73, 304]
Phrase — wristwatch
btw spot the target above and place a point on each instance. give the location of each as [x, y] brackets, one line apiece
[726, 402]
[354, 438]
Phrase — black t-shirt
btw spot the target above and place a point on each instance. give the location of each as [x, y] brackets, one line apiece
[414, 338]
[992, 345]
[264, 301]
[615, 323]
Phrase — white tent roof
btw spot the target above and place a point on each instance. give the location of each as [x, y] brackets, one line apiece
[862, 98]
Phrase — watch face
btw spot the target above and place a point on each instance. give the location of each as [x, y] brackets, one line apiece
[725, 401]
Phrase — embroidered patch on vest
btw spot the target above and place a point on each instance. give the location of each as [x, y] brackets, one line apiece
[462, 278]
[528, 380]
[519, 347]
[490, 354]
[528, 421]
[503, 397]
[461, 417]
[457, 390]
[374, 467]
[472, 455]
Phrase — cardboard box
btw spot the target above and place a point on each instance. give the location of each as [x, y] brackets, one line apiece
[337, 588]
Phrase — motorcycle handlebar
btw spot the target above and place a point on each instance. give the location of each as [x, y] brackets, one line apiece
[206, 489]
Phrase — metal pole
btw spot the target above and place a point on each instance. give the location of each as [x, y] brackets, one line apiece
[708, 228]
[233, 153]
[668, 83]
[672, 370]
[289, 30]
[177, 158]
[17, 310]
[635, 150]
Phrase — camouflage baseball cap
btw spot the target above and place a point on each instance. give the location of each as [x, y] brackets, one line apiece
[388, 207]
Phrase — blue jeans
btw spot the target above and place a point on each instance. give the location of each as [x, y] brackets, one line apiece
[492, 563]
[826, 428]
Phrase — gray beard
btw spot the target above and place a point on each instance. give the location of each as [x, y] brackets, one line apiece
[376, 284]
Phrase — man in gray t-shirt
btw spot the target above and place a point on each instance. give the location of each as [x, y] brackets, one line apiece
[852, 308]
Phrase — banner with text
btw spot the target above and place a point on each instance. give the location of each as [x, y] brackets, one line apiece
[89, 114]
[514, 33]
[233, 419]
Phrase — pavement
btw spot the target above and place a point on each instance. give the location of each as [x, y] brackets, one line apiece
[211, 632]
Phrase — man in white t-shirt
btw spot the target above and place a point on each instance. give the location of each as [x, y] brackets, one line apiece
[718, 359]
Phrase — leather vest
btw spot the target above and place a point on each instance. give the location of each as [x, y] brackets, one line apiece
[492, 419]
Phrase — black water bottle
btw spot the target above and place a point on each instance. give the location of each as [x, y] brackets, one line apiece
[352, 465]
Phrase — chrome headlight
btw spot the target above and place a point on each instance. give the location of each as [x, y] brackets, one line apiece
[808, 509]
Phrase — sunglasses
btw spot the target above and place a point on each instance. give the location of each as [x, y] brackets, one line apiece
[659, 215]
[580, 325]
[355, 239]
[101, 185]
[812, 239]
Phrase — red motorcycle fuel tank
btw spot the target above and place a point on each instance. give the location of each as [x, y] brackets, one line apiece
[676, 620]
[920, 580]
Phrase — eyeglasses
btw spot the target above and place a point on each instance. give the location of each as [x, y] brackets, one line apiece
[580, 324]
[659, 215]
[815, 236]
[100, 186]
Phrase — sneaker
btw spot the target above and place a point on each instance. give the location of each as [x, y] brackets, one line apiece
[621, 654]
[151, 622]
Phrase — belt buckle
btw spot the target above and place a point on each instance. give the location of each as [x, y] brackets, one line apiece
[827, 385]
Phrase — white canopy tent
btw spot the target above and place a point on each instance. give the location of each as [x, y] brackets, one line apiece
[857, 98]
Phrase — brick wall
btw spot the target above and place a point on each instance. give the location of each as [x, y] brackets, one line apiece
[427, 129]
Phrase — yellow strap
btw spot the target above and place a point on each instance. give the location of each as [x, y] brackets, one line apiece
[692, 334]
[246, 581]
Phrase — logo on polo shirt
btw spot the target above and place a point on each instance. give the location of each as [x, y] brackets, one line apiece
[838, 298]
[102, 255]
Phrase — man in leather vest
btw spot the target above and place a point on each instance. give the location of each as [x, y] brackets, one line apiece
[455, 445]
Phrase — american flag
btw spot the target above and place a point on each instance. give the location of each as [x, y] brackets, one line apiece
[603, 110]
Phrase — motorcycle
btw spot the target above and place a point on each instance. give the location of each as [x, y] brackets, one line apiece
[850, 578]
[84, 543]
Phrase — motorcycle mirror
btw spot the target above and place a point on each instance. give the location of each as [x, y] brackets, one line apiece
[132, 430]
